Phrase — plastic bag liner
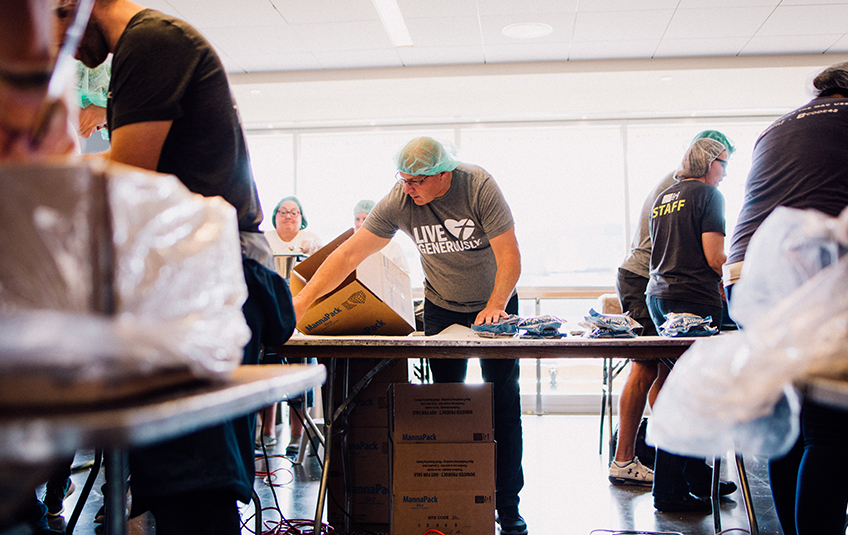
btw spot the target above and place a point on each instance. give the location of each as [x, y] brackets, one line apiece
[734, 391]
[108, 272]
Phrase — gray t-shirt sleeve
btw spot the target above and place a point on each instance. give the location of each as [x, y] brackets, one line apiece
[383, 218]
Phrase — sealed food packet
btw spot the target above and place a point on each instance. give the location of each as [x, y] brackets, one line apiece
[599, 325]
[506, 327]
[686, 324]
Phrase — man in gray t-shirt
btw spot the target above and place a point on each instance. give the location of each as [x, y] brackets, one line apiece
[464, 231]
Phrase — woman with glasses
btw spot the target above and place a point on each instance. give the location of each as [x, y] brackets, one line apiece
[289, 237]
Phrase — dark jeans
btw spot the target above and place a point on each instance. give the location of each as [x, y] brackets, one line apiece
[675, 474]
[809, 492]
[210, 512]
[503, 374]
[631, 293]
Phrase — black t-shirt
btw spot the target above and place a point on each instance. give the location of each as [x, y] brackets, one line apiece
[800, 161]
[163, 69]
[679, 269]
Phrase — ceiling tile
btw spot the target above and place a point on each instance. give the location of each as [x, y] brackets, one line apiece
[349, 59]
[300, 61]
[789, 44]
[715, 4]
[811, 2]
[839, 47]
[806, 20]
[621, 25]
[625, 5]
[440, 32]
[527, 7]
[681, 48]
[313, 11]
[364, 35]
[221, 13]
[262, 40]
[527, 52]
[612, 49]
[164, 6]
[454, 55]
[562, 23]
[418, 9]
[708, 23]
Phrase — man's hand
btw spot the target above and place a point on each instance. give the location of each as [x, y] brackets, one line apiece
[91, 119]
[490, 314]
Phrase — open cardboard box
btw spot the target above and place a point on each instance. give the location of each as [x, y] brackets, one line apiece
[376, 298]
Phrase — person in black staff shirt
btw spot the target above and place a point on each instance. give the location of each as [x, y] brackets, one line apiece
[687, 233]
[170, 110]
[801, 161]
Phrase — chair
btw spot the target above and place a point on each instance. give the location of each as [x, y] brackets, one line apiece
[608, 304]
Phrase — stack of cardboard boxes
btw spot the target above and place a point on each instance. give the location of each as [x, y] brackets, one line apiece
[443, 459]
[362, 449]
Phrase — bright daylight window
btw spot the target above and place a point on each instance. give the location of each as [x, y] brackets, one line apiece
[575, 191]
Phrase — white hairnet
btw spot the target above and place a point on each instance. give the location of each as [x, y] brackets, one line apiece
[698, 158]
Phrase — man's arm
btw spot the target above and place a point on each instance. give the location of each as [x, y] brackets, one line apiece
[508, 259]
[337, 266]
[713, 243]
[139, 144]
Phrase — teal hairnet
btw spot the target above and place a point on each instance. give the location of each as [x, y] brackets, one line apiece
[425, 156]
[93, 84]
[718, 136]
[303, 223]
[363, 206]
[698, 158]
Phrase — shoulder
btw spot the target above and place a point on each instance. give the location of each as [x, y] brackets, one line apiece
[159, 33]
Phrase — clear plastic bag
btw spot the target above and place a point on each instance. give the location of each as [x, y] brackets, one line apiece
[176, 277]
[734, 391]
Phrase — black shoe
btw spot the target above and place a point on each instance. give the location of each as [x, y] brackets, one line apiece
[54, 496]
[724, 488]
[510, 521]
[685, 504]
[100, 515]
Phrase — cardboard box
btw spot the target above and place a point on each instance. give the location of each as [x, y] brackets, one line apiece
[372, 406]
[442, 412]
[452, 513]
[368, 462]
[375, 299]
[449, 487]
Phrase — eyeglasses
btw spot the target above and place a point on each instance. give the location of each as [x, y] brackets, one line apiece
[284, 213]
[409, 182]
[722, 162]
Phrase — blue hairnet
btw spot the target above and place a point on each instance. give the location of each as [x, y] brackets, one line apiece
[363, 206]
[718, 136]
[303, 223]
[425, 156]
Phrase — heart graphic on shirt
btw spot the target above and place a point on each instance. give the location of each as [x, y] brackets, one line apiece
[462, 229]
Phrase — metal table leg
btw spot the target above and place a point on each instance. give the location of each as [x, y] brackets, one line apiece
[116, 492]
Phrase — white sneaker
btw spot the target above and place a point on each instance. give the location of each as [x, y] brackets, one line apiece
[631, 473]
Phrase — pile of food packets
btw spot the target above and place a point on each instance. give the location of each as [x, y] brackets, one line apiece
[599, 325]
[685, 324]
[540, 327]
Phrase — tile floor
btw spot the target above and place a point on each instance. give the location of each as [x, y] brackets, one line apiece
[566, 490]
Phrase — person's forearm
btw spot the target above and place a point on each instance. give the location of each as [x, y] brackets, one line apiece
[332, 272]
[505, 281]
